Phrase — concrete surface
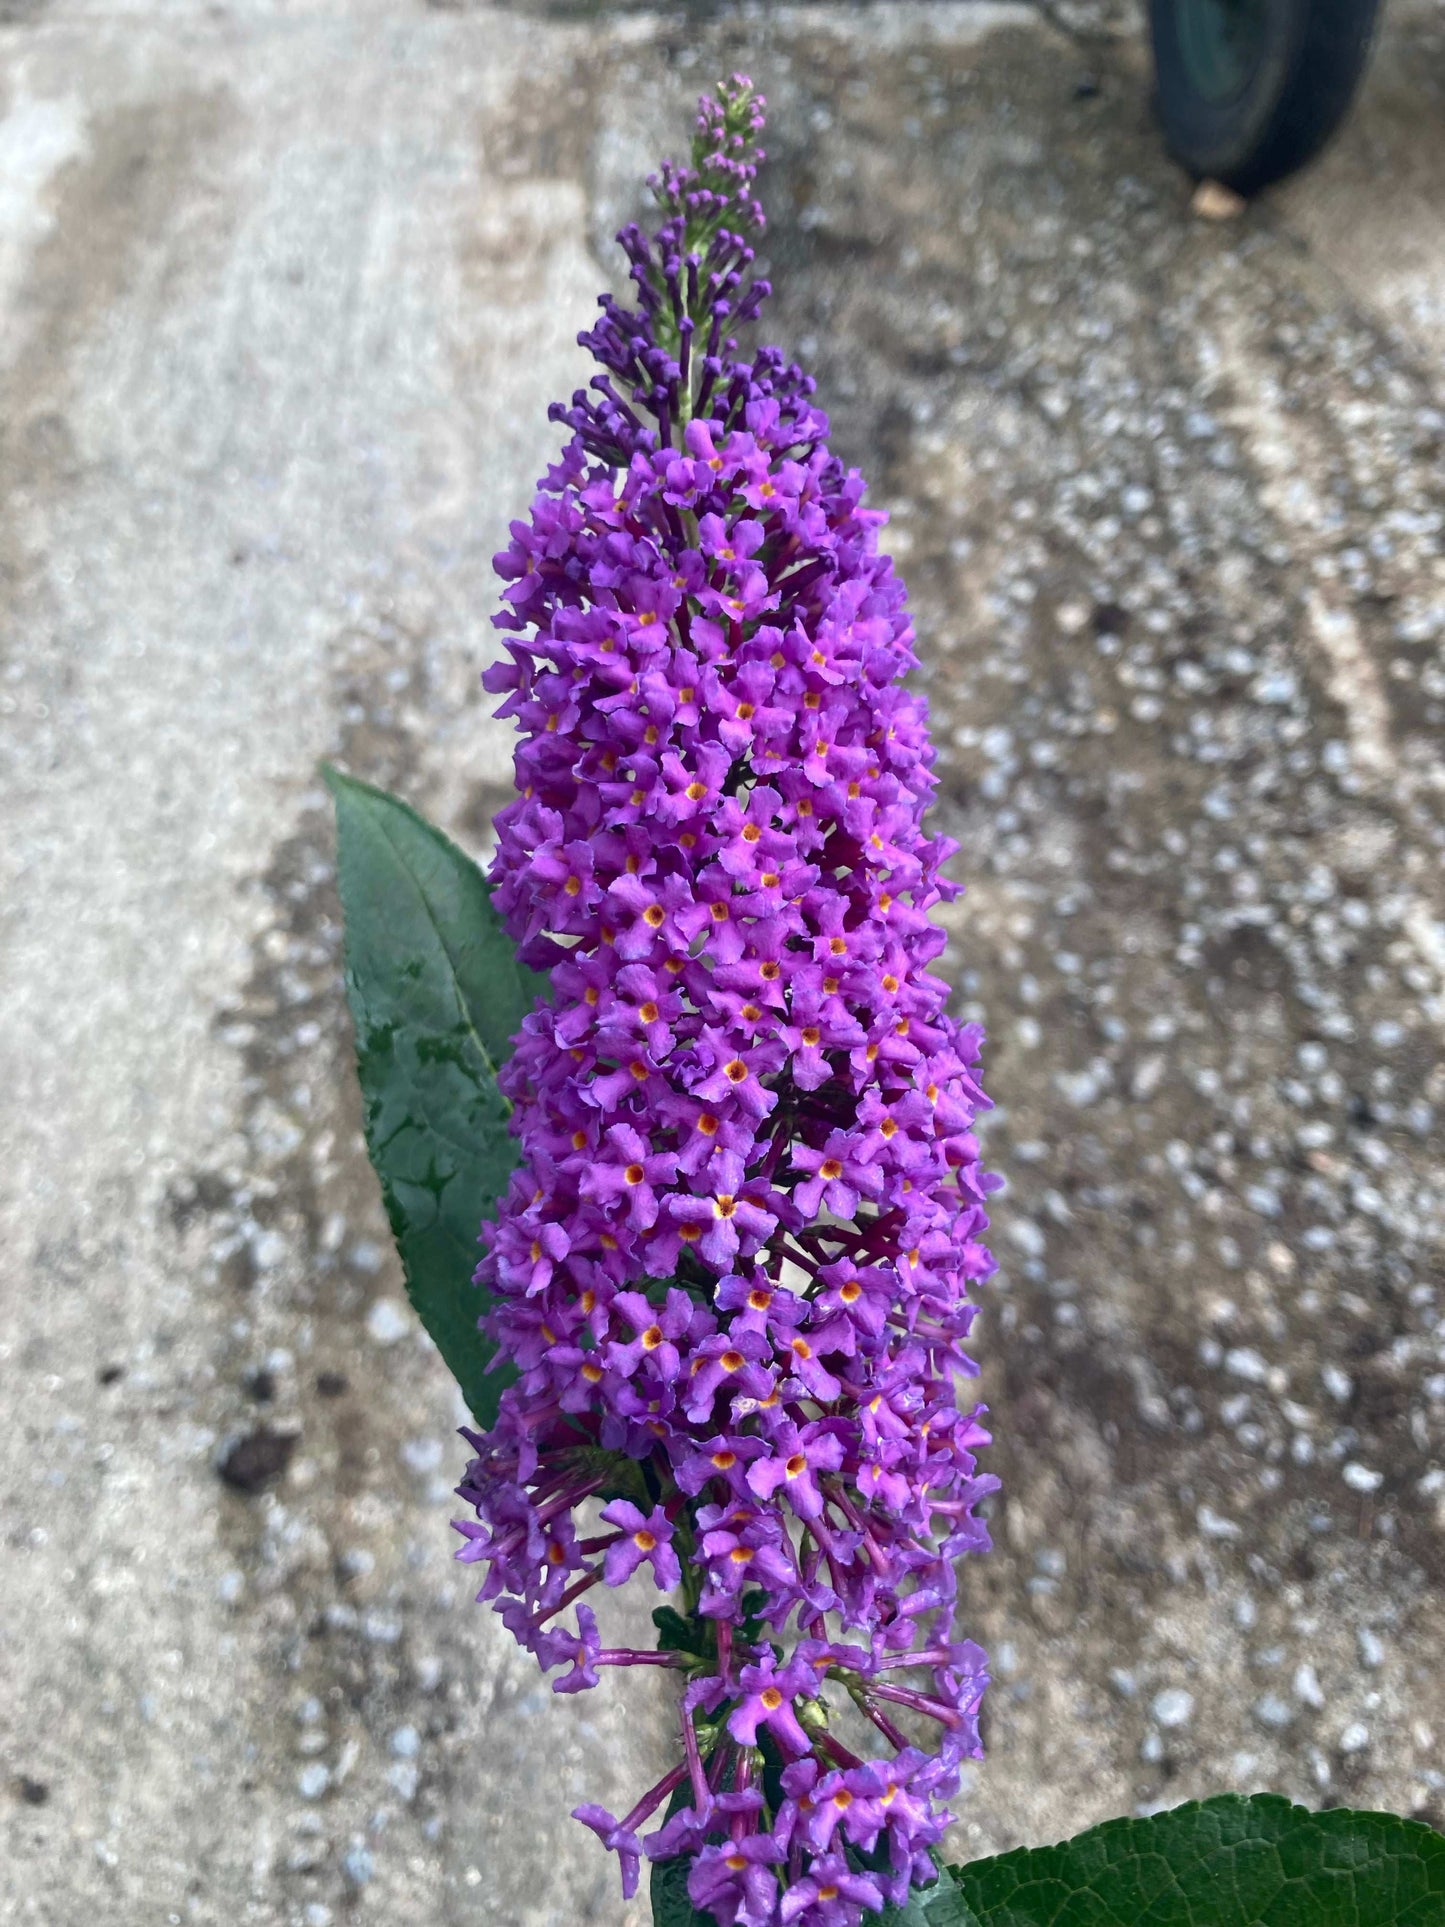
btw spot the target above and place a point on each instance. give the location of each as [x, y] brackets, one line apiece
[285, 293]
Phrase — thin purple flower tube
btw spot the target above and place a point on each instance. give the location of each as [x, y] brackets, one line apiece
[733, 1265]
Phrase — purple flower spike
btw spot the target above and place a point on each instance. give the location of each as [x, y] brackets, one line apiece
[732, 1270]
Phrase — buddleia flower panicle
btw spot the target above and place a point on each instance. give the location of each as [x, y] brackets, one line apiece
[732, 1268]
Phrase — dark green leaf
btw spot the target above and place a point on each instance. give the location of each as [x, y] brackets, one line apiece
[1226, 1862]
[678, 1635]
[436, 995]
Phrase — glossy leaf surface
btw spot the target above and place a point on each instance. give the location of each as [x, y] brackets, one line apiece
[436, 995]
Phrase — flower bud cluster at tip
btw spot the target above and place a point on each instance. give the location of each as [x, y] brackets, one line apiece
[674, 356]
[733, 1266]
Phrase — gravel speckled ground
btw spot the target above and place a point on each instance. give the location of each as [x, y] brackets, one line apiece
[286, 293]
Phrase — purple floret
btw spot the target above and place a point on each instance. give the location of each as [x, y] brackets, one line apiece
[733, 1266]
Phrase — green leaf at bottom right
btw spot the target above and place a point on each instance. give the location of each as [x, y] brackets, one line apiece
[1228, 1862]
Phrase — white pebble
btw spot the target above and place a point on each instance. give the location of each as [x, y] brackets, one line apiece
[1173, 1706]
[1361, 1479]
[313, 1780]
[1027, 1236]
[1214, 1526]
[1242, 1362]
[1307, 1686]
[1372, 1653]
[387, 1322]
[422, 1455]
[1355, 1738]
[1272, 1711]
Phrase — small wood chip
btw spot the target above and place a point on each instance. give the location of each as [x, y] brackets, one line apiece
[1213, 201]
